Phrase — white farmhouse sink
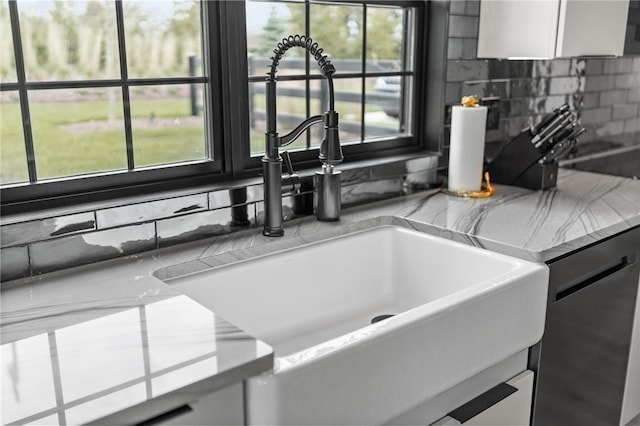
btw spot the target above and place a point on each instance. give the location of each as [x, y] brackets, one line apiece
[458, 310]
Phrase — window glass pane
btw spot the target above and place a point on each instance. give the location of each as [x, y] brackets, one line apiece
[7, 58]
[161, 36]
[167, 124]
[69, 40]
[267, 24]
[385, 31]
[385, 114]
[13, 159]
[257, 117]
[338, 30]
[77, 131]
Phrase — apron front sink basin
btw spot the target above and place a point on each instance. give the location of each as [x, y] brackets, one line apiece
[368, 325]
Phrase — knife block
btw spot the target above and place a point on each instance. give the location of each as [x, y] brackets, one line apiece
[517, 164]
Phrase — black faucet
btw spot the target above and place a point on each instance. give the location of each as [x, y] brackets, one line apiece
[327, 203]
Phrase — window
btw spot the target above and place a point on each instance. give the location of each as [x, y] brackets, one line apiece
[101, 93]
[101, 98]
[369, 45]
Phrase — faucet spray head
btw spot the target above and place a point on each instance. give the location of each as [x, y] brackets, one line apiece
[330, 149]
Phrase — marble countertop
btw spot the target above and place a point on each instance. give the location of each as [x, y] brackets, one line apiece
[112, 346]
[90, 343]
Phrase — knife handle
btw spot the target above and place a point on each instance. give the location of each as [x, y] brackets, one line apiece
[566, 150]
[550, 128]
[553, 130]
[577, 133]
[549, 118]
[553, 152]
[545, 120]
[564, 133]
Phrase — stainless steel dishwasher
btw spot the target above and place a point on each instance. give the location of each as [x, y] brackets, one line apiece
[581, 362]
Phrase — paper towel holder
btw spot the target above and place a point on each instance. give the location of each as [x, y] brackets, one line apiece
[486, 190]
[466, 147]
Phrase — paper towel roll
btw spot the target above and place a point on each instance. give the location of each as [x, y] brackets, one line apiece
[466, 152]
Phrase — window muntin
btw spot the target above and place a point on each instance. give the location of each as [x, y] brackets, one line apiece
[372, 48]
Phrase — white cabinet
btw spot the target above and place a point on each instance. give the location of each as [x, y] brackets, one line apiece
[512, 410]
[552, 28]
[224, 407]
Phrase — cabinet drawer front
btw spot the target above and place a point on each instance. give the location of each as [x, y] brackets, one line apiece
[584, 264]
[507, 404]
[514, 410]
[223, 407]
[606, 273]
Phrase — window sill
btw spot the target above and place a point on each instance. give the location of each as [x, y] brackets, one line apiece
[382, 167]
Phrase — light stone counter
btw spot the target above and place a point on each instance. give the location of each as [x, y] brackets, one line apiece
[89, 343]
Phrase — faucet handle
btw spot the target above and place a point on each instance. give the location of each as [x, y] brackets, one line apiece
[293, 177]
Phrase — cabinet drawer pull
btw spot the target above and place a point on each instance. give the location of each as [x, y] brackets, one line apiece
[166, 416]
[598, 276]
[483, 402]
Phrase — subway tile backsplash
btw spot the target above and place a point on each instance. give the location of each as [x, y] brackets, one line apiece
[194, 226]
[219, 199]
[144, 212]
[14, 262]
[374, 190]
[256, 192]
[37, 230]
[75, 250]
[39, 246]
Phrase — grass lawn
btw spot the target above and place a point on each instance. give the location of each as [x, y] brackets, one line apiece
[13, 163]
[73, 138]
[62, 151]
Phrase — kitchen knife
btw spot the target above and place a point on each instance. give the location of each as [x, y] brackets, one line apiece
[566, 150]
[564, 134]
[568, 133]
[560, 150]
[561, 117]
[577, 133]
[559, 137]
[552, 131]
[545, 120]
[566, 145]
[550, 127]
[555, 151]
[549, 118]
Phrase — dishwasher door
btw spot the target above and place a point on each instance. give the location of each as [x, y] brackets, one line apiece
[584, 352]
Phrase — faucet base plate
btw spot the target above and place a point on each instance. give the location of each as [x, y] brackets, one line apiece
[273, 232]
